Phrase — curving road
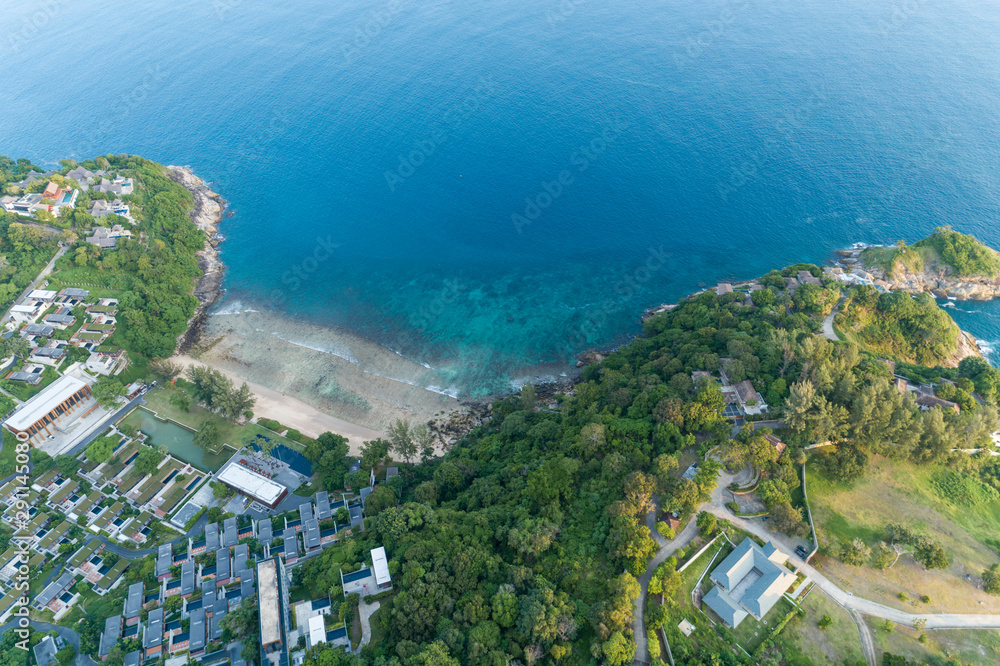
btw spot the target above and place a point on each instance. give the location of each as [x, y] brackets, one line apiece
[856, 606]
[667, 548]
[65, 633]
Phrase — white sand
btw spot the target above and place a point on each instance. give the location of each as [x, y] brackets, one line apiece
[296, 414]
[316, 379]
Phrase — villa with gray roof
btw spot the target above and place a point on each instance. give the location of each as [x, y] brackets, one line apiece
[750, 581]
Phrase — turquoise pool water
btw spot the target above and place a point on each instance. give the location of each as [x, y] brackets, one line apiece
[178, 440]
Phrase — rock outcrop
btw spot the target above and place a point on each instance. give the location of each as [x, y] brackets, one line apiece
[939, 282]
[206, 215]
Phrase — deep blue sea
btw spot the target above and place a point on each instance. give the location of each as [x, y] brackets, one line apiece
[491, 186]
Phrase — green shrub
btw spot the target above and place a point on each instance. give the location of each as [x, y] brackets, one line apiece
[963, 490]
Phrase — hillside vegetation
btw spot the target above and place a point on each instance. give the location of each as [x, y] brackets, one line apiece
[524, 543]
[956, 254]
[910, 328]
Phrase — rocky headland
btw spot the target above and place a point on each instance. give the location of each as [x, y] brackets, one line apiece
[936, 280]
[207, 213]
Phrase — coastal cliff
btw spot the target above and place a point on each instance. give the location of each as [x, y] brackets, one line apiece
[207, 213]
[934, 279]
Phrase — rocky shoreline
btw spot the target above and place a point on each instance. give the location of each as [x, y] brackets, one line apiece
[939, 284]
[209, 208]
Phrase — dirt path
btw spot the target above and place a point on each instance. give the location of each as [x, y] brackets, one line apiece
[867, 640]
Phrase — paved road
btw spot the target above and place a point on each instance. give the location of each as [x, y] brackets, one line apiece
[132, 554]
[864, 606]
[856, 606]
[828, 331]
[82, 444]
[65, 633]
[34, 283]
[667, 548]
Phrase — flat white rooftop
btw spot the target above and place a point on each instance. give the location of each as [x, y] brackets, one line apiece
[43, 294]
[43, 403]
[380, 566]
[317, 630]
[250, 483]
[267, 602]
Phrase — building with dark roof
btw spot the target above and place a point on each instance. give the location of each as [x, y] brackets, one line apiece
[164, 560]
[211, 537]
[240, 555]
[45, 651]
[187, 578]
[312, 539]
[229, 533]
[223, 571]
[323, 505]
[54, 589]
[750, 581]
[133, 603]
[112, 632]
[264, 533]
[196, 629]
[291, 545]
[152, 639]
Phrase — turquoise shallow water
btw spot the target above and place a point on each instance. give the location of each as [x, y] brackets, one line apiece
[486, 187]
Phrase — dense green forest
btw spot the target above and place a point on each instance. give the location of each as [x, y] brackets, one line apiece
[911, 328]
[523, 545]
[152, 275]
[25, 247]
[954, 253]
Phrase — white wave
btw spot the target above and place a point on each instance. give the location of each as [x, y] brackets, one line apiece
[342, 352]
[233, 308]
[951, 298]
[948, 305]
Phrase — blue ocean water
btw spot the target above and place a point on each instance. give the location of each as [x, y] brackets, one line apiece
[492, 186]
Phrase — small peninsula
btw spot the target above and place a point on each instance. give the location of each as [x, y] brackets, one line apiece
[827, 430]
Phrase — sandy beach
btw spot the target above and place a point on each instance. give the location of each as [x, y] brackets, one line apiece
[312, 378]
[294, 413]
[316, 379]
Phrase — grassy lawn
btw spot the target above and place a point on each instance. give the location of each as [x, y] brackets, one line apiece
[231, 433]
[967, 646]
[24, 391]
[837, 644]
[751, 633]
[900, 492]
